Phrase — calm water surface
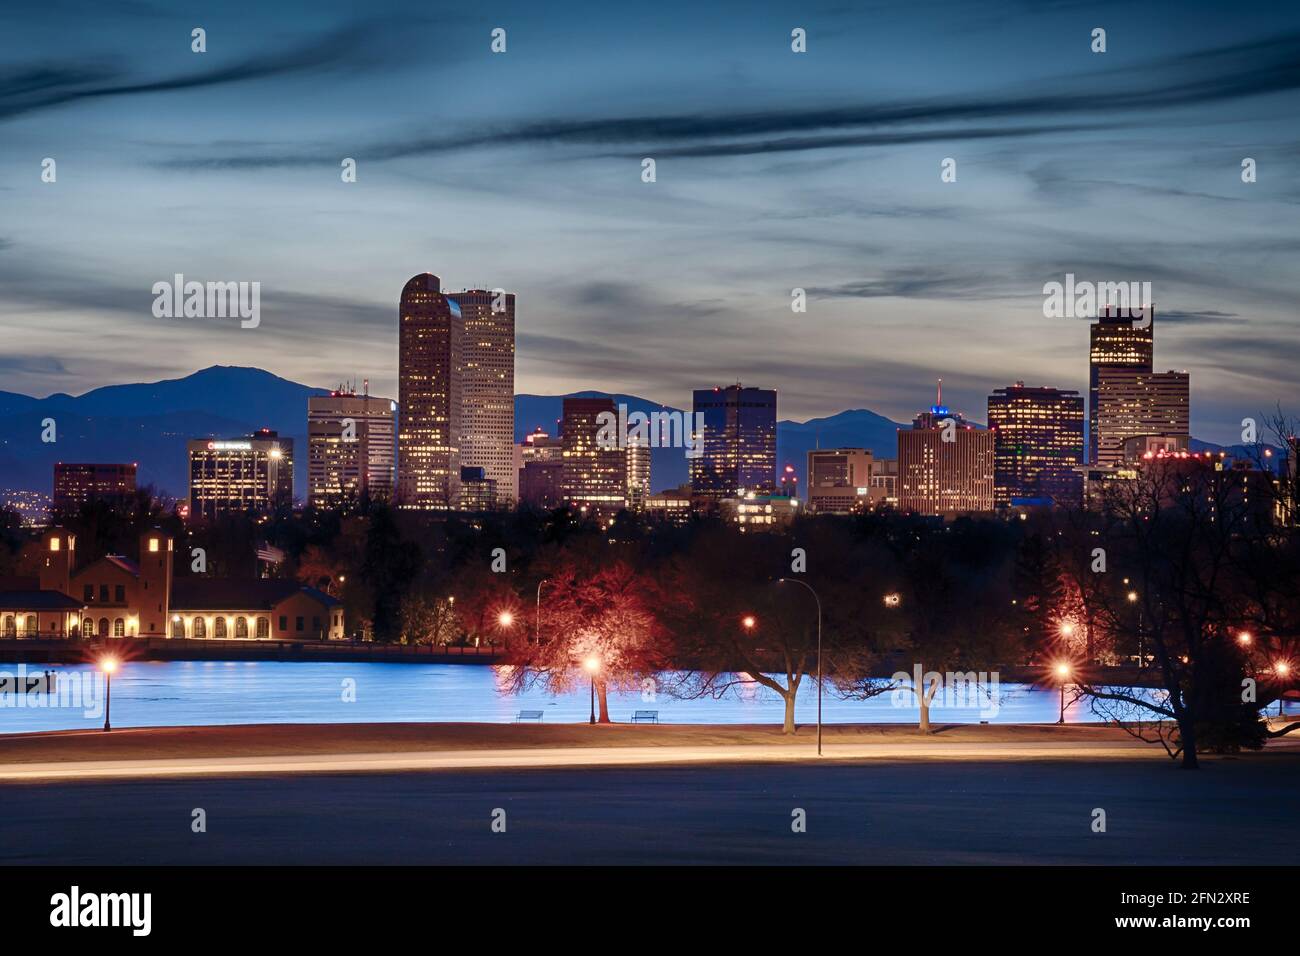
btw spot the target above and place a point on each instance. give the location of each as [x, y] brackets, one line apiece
[245, 692]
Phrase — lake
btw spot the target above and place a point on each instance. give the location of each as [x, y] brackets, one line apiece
[177, 693]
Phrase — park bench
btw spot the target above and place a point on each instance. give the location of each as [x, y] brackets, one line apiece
[529, 715]
[645, 716]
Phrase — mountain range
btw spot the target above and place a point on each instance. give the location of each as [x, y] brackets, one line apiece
[149, 424]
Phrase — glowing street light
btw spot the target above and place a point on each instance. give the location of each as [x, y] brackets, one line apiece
[1244, 638]
[748, 622]
[1067, 630]
[592, 665]
[893, 599]
[505, 619]
[108, 665]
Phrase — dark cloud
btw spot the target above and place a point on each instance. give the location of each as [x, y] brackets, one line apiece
[1194, 79]
[29, 88]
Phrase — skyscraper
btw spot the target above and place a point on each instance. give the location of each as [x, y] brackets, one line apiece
[430, 342]
[1117, 340]
[945, 465]
[739, 442]
[253, 474]
[594, 476]
[487, 422]
[638, 472]
[1132, 403]
[1038, 443]
[77, 484]
[351, 448]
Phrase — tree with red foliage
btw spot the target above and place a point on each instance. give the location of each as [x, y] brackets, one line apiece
[596, 621]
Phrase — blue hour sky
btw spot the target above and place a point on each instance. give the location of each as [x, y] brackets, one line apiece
[775, 170]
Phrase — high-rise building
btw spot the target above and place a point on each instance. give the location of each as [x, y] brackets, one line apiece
[234, 476]
[351, 448]
[1038, 444]
[739, 442]
[487, 382]
[79, 484]
[430, 342]
[1132, 403]
[541, 483]
[1121, 341]
[478, 492]
[638, 472]
[945, 465]
[594, 478]
[845, 480]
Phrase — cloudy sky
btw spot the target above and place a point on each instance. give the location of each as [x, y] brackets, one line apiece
[775, 170]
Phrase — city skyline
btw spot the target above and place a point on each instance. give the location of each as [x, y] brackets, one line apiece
[770, 178]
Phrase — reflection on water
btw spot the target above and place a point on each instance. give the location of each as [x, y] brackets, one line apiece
[249, 692]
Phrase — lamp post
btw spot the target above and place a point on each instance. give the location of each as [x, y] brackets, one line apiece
[1132, 599]
[537, 636]
[108, 665]
[819, 654]
[1063, 672]
[592, 664]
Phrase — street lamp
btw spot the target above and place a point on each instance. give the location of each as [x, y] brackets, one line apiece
[537, 637]
[1282, 669]
[1063, 672]
[748, 622]
[108, 665]
[892, 599]
[1244, 638]
[1132, 599]
[592, 664]
[505, 619]
[819, 655]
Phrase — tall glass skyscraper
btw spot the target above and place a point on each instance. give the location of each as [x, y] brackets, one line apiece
[487, 380]
[1038, 444]
[1117, 341]
[739, 442]
[429, 357]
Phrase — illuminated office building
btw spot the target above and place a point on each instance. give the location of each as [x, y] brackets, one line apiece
[1132, 404]
[487, 385]
[594, 475]
[240, 475]
[1116, 341]
[351, 448]
[1038, 444]
[945, 465]
[78, 484]
[739, 442]
[430, 342]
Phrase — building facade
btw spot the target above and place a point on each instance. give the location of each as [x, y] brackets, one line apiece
[738, 452]
[945, 465]
[1131, 404]
[487, 382]
[1038, 444]
[1117, 340]
[431, 337]
[594, 476]
[351, 448]
[76, 484]
[240, 475]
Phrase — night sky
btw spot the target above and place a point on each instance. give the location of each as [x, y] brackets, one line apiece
[775, 170]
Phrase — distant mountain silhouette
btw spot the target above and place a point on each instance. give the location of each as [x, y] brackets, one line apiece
[149, 423]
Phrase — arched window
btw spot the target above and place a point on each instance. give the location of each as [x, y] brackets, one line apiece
[178, 627]
[220, 629]
[200, 627]
[103, 627]
[11, 629]
[263, 627]
[119, 628]
[31, 625]
[88, 627]
[241, 627]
